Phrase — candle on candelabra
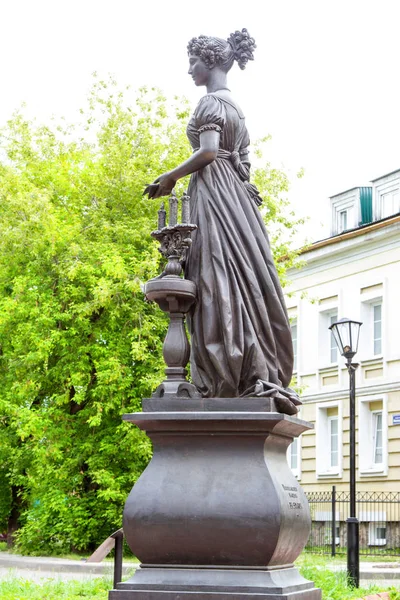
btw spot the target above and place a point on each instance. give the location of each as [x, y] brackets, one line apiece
[185, 208]
[162, 217]
[173, 210]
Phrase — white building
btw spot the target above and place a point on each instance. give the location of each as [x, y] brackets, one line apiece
[354, 273]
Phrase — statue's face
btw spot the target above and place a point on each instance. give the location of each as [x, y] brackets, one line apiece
[198, 70]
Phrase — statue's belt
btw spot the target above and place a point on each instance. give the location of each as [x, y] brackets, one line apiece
[243, 170]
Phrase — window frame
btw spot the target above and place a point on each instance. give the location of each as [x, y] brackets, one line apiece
[323, 466]
[333, 317]
[373, 540]
[295, 444]
[343, 213]
[328, 349]
[367, 331]
[295, 342]
[374, 415]
[388, 184]
[337, 534]
[375, 339]
[298, 444]
[394, 192]
[333, 419]
[367, 466]
[348, 202]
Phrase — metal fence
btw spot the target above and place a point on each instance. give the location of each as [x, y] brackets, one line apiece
[378, 514]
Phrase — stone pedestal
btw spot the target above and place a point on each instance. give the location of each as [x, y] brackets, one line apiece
[217, 513]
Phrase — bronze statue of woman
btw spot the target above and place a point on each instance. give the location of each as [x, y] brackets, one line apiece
[240, 332]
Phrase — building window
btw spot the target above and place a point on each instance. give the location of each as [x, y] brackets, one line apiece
[386, 195]
[333, 346]
[373, 436]
[337, 536]
[327, 349]
[329, 440]
[378, 437]
[390, 203]
[333, 440]
[342, 220]
[293, 456]
[324, 519]
[345, 211]
[293, 328]
[377, 534]
[377, 316]
[372, 316]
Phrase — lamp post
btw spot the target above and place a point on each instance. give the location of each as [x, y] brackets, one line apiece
[346, 333]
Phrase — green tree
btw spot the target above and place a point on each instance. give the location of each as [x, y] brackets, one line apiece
[79, 346]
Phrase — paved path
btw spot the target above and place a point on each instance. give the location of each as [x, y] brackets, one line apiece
[374, 572]
[36, 568]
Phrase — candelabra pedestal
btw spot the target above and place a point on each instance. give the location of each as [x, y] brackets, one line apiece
[174, 296]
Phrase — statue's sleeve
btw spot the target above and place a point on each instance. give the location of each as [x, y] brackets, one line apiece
[210, 114]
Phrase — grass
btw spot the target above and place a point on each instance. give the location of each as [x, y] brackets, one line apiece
[14, 588]
[334, 583]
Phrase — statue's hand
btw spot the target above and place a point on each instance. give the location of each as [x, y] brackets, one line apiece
[162, 186]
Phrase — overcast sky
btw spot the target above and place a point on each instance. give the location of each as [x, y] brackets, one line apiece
[325, 81]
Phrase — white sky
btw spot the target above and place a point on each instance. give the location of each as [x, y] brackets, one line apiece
[325, 81]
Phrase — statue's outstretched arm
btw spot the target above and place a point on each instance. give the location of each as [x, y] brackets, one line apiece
[163, 185]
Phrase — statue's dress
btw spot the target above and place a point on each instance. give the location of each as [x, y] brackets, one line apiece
[240, 332]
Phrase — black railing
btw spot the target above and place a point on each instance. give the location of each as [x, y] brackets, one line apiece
[377, 512]
[116, 541]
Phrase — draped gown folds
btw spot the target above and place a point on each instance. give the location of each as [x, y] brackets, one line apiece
[240, 332]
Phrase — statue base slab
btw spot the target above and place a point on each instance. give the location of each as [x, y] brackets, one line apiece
[218, 583]
[217, 514]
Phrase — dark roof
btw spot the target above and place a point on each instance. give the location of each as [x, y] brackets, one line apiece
[383, 176]
[345, 191]
[352, 232]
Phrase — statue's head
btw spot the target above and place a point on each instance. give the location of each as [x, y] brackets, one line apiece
[206, 53]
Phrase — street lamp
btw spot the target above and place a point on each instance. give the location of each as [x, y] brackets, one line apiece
[346, 334]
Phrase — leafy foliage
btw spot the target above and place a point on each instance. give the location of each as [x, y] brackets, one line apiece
[334, 583]
[79, 346]
[281, 220]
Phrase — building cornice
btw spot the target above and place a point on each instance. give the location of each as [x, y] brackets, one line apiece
[342, 394]
[344, 192]
[354, 233]
[384, 176]
[377, 238]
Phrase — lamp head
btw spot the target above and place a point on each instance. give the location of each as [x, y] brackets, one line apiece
[346, 333]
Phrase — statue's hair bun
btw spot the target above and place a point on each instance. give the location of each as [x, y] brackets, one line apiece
[242, 46]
